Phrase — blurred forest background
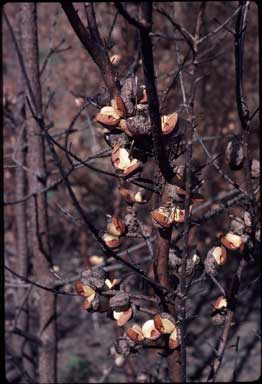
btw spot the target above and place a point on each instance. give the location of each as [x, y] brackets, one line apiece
[85, 340]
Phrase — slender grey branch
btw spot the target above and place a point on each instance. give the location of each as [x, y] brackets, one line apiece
[204, 38]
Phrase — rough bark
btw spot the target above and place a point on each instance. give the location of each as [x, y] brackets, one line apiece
[22, 260]
[38, 207]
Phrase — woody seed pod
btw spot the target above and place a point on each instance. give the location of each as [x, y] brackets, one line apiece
[79, 288]
[108, 116]
[122, 317]
[111, 240]
[116, 227]
[116, 59]
[235, 154]
[88, 302]
[120, 302]
[221, 302]
[88, 291]
[216, 256]
[237, 226]
[94, 278]
[128, 196]
[247, 219]
[100, 304]
[134, 166]
[179, 214]
[174, 339]
[124, 345]
[111, 284]
[255, 168]
[96, 260]
[219, 311]
[120, 157]
[139, 125]
[140, 197]
[180, 171]
[149, 330]
[232, 241]
[119, 360]
[121, 161]
[162, 217]
[135, 333]
[218, 319]
[164, 323]
[119, 106]
[144, 98]
[168, 123]
[219, 254]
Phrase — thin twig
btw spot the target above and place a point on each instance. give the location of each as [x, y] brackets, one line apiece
[53, 290]
[111, 30]
[186, 35]
[142, 25]
[55, 50]
[231, 297]
[93, 43]
[189, 153]
[204, 38]
[223, 174]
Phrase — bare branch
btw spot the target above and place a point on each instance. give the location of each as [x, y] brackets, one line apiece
[204, 38]
[186, 35]
[229, 317]
[142, 25]
[92, 42]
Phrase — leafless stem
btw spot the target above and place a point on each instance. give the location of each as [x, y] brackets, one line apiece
[92, 41]
[204, 38]
[229, 317]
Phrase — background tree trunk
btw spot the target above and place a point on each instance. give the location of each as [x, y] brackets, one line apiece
[38, 207]
[22, 261]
